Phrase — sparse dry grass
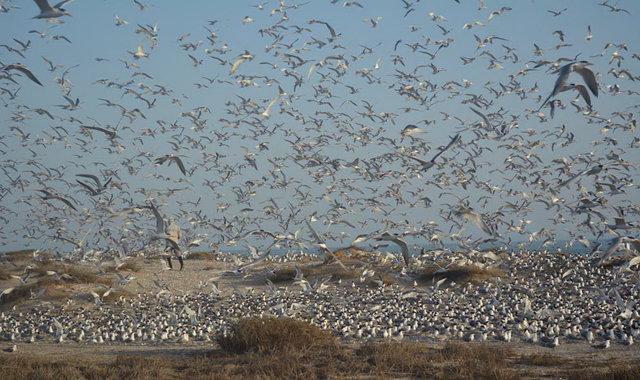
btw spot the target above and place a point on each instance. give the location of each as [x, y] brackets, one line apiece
[398, 358]
[370, 361]
[460, 274]
[609, 372]
[475, 361]
[541, 360]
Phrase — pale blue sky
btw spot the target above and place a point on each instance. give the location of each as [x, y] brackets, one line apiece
[93, 34]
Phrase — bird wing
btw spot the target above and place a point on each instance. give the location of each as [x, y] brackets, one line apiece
[585, 94]
[44, 6]
[590, 79]
[65, 201]
[421, 161]
[159, 220]
[178, 161]
[90, 176]
[60, 4]
[235, 65]
[483, 116]
[23, 68]
[86, 186]
[454, 140]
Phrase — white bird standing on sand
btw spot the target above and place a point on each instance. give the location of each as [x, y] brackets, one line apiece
[579, 67]
[47, 11]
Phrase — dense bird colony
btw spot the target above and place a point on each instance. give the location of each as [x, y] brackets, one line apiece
[303, 126]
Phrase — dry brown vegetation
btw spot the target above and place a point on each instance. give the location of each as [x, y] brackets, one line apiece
[609, 372]
[200, 255]
[545, 360]
[76, 275]
[4, 275]
[313, 271]
[279, 348]
[459, 273]
[19, 255]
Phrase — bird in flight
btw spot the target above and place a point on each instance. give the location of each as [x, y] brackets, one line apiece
[579, 67]
[23, 69]
[47, 11]
[172, 158]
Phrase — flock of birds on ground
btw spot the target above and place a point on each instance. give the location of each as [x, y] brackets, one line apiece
[546, 304]
[323, 135]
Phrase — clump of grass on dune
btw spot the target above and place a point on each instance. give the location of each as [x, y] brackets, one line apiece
[312, 272]
[200, 255]
[275, 335]
[283, 274]
[4, 275]
[459, 273]
[78, 274]
[42, 280]
[19, 255]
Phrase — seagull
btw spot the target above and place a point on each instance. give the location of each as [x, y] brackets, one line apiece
[172, 158]
[49, 196]
[99, 186]
[160, 232]
[47, 11]
[411, 129]
[11, 349]
[23, 69]
[602, 345]
[579, 67]
[589, 171]
[401, 243]
[429, 164]
[467, 213]
[580, 88]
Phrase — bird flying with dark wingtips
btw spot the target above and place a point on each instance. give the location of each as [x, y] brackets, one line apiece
[47, 11]
[579, 67]
[23, 69]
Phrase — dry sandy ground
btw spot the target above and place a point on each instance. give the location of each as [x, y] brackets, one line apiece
[150, 271]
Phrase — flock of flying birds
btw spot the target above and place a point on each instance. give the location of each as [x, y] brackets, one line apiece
[307, 147]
